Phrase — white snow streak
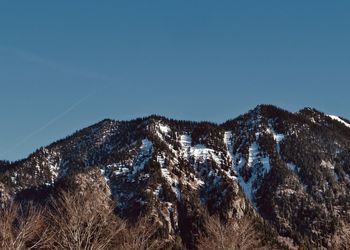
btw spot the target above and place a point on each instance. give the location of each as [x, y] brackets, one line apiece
[164, 128]
[277, 137]
[259, 165]
[334, 117]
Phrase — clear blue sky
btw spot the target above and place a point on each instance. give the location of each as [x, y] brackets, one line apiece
[67, 64]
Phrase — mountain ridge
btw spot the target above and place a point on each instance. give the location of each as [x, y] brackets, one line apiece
[162, 117]
[291, 169]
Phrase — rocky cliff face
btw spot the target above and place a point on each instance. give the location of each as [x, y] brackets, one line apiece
[292, 169]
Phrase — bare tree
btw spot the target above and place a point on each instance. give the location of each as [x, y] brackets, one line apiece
[80, 221]
[341, 240]
[346, 243]
[143, 236]
[241, 235]
[22, 227]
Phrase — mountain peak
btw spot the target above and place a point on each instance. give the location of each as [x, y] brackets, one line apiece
[310, 110]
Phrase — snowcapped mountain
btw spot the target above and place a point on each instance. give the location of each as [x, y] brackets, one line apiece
[292, 169]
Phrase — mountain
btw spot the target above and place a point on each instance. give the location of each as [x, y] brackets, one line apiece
[290, 169]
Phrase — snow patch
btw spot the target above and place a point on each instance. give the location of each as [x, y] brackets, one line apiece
[201, 153]
[104, 174]
[327, 164]
[286, 191]
[134, 166]
[292, 167]
[259, 165]
[164, 128]
[118, 169]
[228, 140]
[185, 141]
[157, 190]
[337, 118]
[255, 156]
[277, 137]
[173, 182]
[161, 160]
[143, 156]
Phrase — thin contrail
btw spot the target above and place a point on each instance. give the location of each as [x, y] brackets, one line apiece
[52, 121]
[34, 58]
[40, 60]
